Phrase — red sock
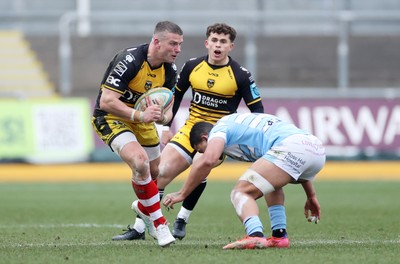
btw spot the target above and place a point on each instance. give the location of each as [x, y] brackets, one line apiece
[149, 201]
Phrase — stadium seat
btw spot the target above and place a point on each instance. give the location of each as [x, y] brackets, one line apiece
[21, 73]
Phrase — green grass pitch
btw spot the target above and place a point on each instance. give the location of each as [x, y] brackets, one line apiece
[74, 223]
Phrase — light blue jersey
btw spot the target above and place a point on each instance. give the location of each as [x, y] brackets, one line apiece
[249, 136]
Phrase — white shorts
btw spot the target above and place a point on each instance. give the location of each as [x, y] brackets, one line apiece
[301, 156]
[122, 139]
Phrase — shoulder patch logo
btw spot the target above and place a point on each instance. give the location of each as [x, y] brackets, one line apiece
[129, 58]
[120, 68]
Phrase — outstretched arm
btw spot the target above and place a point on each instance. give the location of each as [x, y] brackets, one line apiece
[200, 170]
[312, 209]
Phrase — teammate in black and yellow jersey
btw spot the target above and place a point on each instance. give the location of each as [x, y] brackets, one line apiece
[131, 133]
[218, 84]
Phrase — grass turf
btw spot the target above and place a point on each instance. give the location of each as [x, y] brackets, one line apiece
[74, 223]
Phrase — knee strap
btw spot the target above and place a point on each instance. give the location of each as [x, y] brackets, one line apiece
[257, 180]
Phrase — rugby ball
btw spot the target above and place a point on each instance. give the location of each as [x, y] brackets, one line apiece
[160, 95]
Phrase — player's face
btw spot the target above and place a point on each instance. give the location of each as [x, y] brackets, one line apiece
[201, 147]
[169, 47]
[219, 46]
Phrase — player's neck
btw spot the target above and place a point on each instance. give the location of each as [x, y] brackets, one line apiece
[152, 59]
[154, 62]
[222, 62]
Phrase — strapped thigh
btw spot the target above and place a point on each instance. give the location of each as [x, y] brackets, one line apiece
[257, 180]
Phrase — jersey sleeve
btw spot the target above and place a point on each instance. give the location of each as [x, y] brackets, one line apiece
[122, 69]
[171, 76]
[182, 86]
[249, 91]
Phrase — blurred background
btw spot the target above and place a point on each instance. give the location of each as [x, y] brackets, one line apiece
[330, 66]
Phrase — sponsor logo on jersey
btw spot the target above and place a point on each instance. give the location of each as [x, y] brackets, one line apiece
[243, 69]
[113, 81]
[120, 68]
[210, 83]
[129, 96]
[129, 58]
[208, 101]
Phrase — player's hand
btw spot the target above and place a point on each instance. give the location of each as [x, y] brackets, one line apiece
[312, 210]
[171, 199]
[152, 113]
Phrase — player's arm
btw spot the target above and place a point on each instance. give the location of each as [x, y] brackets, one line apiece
[180, 89]
[110, 103]
[203, 165]
[115, 84]
[257, 107]
[249, 90]
[200, 170]
[312, 209]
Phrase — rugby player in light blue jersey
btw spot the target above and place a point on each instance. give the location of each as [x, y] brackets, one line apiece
[281, 153]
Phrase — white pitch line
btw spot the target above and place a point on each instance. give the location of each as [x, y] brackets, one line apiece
[346, 242]
[82, 225]
[197, 243]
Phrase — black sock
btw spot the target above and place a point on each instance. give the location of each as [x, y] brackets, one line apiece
[161, 193]
[257, 234]
[279, 233]
[190, 202]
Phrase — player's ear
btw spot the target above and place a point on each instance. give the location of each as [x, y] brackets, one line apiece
[156, 42]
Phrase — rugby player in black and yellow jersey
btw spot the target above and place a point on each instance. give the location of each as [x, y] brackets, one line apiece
[218, 84]
[131, 133]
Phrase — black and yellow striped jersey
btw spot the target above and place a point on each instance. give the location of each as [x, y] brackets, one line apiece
[216, 90]
[130, 74]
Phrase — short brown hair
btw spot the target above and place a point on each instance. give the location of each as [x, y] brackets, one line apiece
[169, 27]
[222, 28]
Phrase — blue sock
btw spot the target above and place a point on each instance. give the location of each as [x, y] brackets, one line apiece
[277, 216]
[253, 225]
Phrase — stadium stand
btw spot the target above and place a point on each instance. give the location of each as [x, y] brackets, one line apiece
[293, 38]
[21, 73]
